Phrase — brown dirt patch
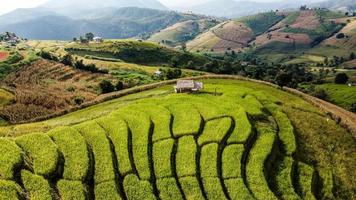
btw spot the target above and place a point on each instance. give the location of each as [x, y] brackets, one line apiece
[3, 55]
[282, 37]
[306, 20]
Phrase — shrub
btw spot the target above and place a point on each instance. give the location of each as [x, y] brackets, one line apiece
[136, 189]
[36, 186]
[79, 100]
[67, 60]
[209, 161]
[340, 35]
[99, 144]
[320, 93]
[106, 87]
[215, 131]
[72, 190]
[341, 78]
[185, 157]
[119, 86]
[162, 151]
[168, 189]
[75, 152]
[42, 153]
[10, 159]
[119, 134]
[231, 161]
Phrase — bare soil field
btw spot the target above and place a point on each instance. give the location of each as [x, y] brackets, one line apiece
[348, 42]
[282, 37]
[3, 55]
[46, 87]
[306, 20]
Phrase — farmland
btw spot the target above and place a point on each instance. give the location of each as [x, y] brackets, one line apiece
[245, 141]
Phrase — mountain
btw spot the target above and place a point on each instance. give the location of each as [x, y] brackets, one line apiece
[342, 5]
[235, 8]
[111, 23]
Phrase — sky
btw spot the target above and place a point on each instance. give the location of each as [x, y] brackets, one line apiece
[13, 4]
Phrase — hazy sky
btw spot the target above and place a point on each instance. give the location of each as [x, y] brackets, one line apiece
[10, 5]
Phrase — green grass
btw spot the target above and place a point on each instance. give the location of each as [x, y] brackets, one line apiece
[208, 161]
[118, 132]
[260, 23]
[190, 186]
[327, 183]
[41, 153]
[162, 151]
[125, 155]
[10, 159]
[181, 126]
[237, 189]
[99, 144]
[213, 188]
[140, 126]
[74, 149]
[107, 191]
[284, 182]
[256, 162]
[231, 161]
[341, 95]
[305, 181]
[136, 189]
[168, 189]
[185, 157]
[36, 186]
[215, 130]
[72, 190]
[10, 190]
[285, 129]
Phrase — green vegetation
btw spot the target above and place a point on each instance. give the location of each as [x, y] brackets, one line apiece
[185, 158]
[71, 190]
[256, 161]
[215, 130]
[41, 153]
[127, 147]
[10, 159]
[260, 23]
[73, 147]
[10, 190]
[99, 144]
[36, 186]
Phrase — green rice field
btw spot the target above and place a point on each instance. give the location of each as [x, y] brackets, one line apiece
[233, 140]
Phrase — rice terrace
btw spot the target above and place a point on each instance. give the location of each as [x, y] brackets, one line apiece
[234, 140]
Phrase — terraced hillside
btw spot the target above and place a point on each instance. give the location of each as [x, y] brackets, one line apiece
[182, 31]
[234, 140]
[230, 35]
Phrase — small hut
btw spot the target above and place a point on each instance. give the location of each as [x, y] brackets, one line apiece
[188, 86]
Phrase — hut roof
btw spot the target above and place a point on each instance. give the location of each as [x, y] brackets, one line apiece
[185, 84]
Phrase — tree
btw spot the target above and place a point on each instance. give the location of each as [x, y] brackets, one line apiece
[340, 35]
[119, 86]
[283, 78]
[352, 56]
[341, 78]
[67, 60]
[106, 87]
[89, 36]
[75, 39]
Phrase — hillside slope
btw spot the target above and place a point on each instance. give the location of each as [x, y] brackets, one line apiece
[112, 23]
[193, 144]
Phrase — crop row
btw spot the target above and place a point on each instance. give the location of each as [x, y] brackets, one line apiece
[215, 130]
[10, 159]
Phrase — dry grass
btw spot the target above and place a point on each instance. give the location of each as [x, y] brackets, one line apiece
[46, 87]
